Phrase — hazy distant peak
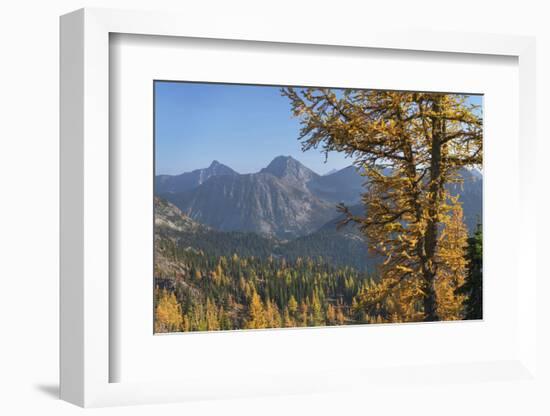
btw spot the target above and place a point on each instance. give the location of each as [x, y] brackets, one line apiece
[216, 164]
[330, 172]
[286, 167]
[189, 180]
[217, 168]
[282, 162]
[283, 157]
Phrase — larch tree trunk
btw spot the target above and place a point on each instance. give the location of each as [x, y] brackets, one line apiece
[429, 267]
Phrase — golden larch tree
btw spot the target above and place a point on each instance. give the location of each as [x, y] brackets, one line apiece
[451, 276]
[409, 146]
[168, 313]
[272, 315]
[212, 320]
[256, 313]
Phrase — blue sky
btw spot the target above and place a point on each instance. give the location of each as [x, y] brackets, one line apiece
[241, 126]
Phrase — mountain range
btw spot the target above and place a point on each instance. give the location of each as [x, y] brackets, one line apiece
[285, 200]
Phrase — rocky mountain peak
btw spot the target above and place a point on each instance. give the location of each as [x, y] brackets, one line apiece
[289, 169]
[218, 168]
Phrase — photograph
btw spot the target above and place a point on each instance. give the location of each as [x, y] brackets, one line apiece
[295, 206]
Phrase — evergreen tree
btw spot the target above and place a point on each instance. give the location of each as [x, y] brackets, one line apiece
[472, 288]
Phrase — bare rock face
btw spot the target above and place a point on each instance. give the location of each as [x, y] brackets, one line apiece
[169, 218]
[290, 171]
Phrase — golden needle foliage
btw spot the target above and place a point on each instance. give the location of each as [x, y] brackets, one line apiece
[257, 313]
[409, 146]
[168, 313]
[453, 242]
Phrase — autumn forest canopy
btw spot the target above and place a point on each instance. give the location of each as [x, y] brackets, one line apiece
[396, 236]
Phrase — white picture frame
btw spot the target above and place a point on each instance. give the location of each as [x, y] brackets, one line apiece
[86, 356]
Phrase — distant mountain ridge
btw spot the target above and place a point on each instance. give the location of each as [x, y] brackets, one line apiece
[268, 203]
[190, 180]
[285, 199]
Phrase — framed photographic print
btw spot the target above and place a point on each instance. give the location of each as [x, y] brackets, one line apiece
[290, 212]
[382, 194]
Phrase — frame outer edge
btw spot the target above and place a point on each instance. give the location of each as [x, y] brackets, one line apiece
[528, 319]
[95, 196]
[72, 208]
[84, 157]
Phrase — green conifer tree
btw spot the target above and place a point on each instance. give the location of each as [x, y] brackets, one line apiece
[473, 287]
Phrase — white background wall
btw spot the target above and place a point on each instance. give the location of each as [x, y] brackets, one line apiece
[29, 206]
